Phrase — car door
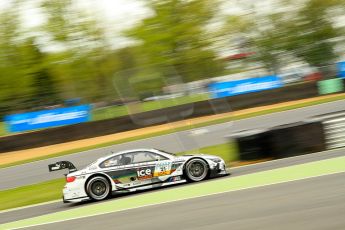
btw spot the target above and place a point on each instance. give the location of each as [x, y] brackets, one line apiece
[119, 169]
[135, 169]
[150, 166]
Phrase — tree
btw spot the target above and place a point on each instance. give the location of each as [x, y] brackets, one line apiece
[314, 31]
[44, 88]
[79, 61]
[176, 37]
[305, 30]
[15, 81]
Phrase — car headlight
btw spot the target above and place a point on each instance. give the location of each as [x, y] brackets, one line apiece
[216, 160]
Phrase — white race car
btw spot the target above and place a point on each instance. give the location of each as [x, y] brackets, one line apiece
[135, 170]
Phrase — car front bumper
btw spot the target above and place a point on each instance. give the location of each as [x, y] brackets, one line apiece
[219, 170]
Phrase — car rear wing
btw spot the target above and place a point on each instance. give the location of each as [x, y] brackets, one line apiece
[62, 165]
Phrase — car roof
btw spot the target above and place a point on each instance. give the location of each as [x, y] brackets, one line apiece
[126, 151]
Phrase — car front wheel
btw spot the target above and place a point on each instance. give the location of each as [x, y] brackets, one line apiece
[196, 170]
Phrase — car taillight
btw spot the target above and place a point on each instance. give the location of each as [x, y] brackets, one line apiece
[70, 179]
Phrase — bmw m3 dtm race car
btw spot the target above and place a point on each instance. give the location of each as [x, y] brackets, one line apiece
[134, 170]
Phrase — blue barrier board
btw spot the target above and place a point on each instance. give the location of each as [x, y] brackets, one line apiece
[341, 69]
[47, 118]
[250, 85]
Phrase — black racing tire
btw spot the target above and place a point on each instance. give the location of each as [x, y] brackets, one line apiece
[98, 188]
[196, 170]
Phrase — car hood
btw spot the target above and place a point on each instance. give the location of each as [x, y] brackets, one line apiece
[204, 156]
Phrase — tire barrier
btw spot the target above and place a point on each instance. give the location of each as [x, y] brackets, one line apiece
[334, 128]
[281, 141]
[297, 139]
[252, 144]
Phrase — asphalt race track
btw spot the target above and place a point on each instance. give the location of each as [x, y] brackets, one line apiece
[309, 204]
[38, 171]
[314, 203]
[24, 213]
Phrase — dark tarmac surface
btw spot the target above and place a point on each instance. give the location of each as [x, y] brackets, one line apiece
[309, 204]
[212, 135]
[239, 171]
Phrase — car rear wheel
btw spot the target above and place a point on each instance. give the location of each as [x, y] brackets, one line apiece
[98, 188]
[196, 170]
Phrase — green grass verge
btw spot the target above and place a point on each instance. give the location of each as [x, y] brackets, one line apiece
[117, 111]
[32, 194]
[109, 112]
[281, 175]
[172, 130]
[228, 152]
[153, 105]
[3, 130]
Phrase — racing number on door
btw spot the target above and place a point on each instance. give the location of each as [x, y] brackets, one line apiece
[162, 169]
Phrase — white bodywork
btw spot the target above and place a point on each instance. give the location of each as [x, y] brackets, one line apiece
[162, 174]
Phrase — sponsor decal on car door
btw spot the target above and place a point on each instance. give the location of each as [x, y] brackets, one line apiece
[163, 168]
[145, 173]
[132, 175]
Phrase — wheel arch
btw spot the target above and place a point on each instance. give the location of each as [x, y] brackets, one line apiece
[95, 175]
[193, 158]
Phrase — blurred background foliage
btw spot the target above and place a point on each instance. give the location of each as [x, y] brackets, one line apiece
[71, 54]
